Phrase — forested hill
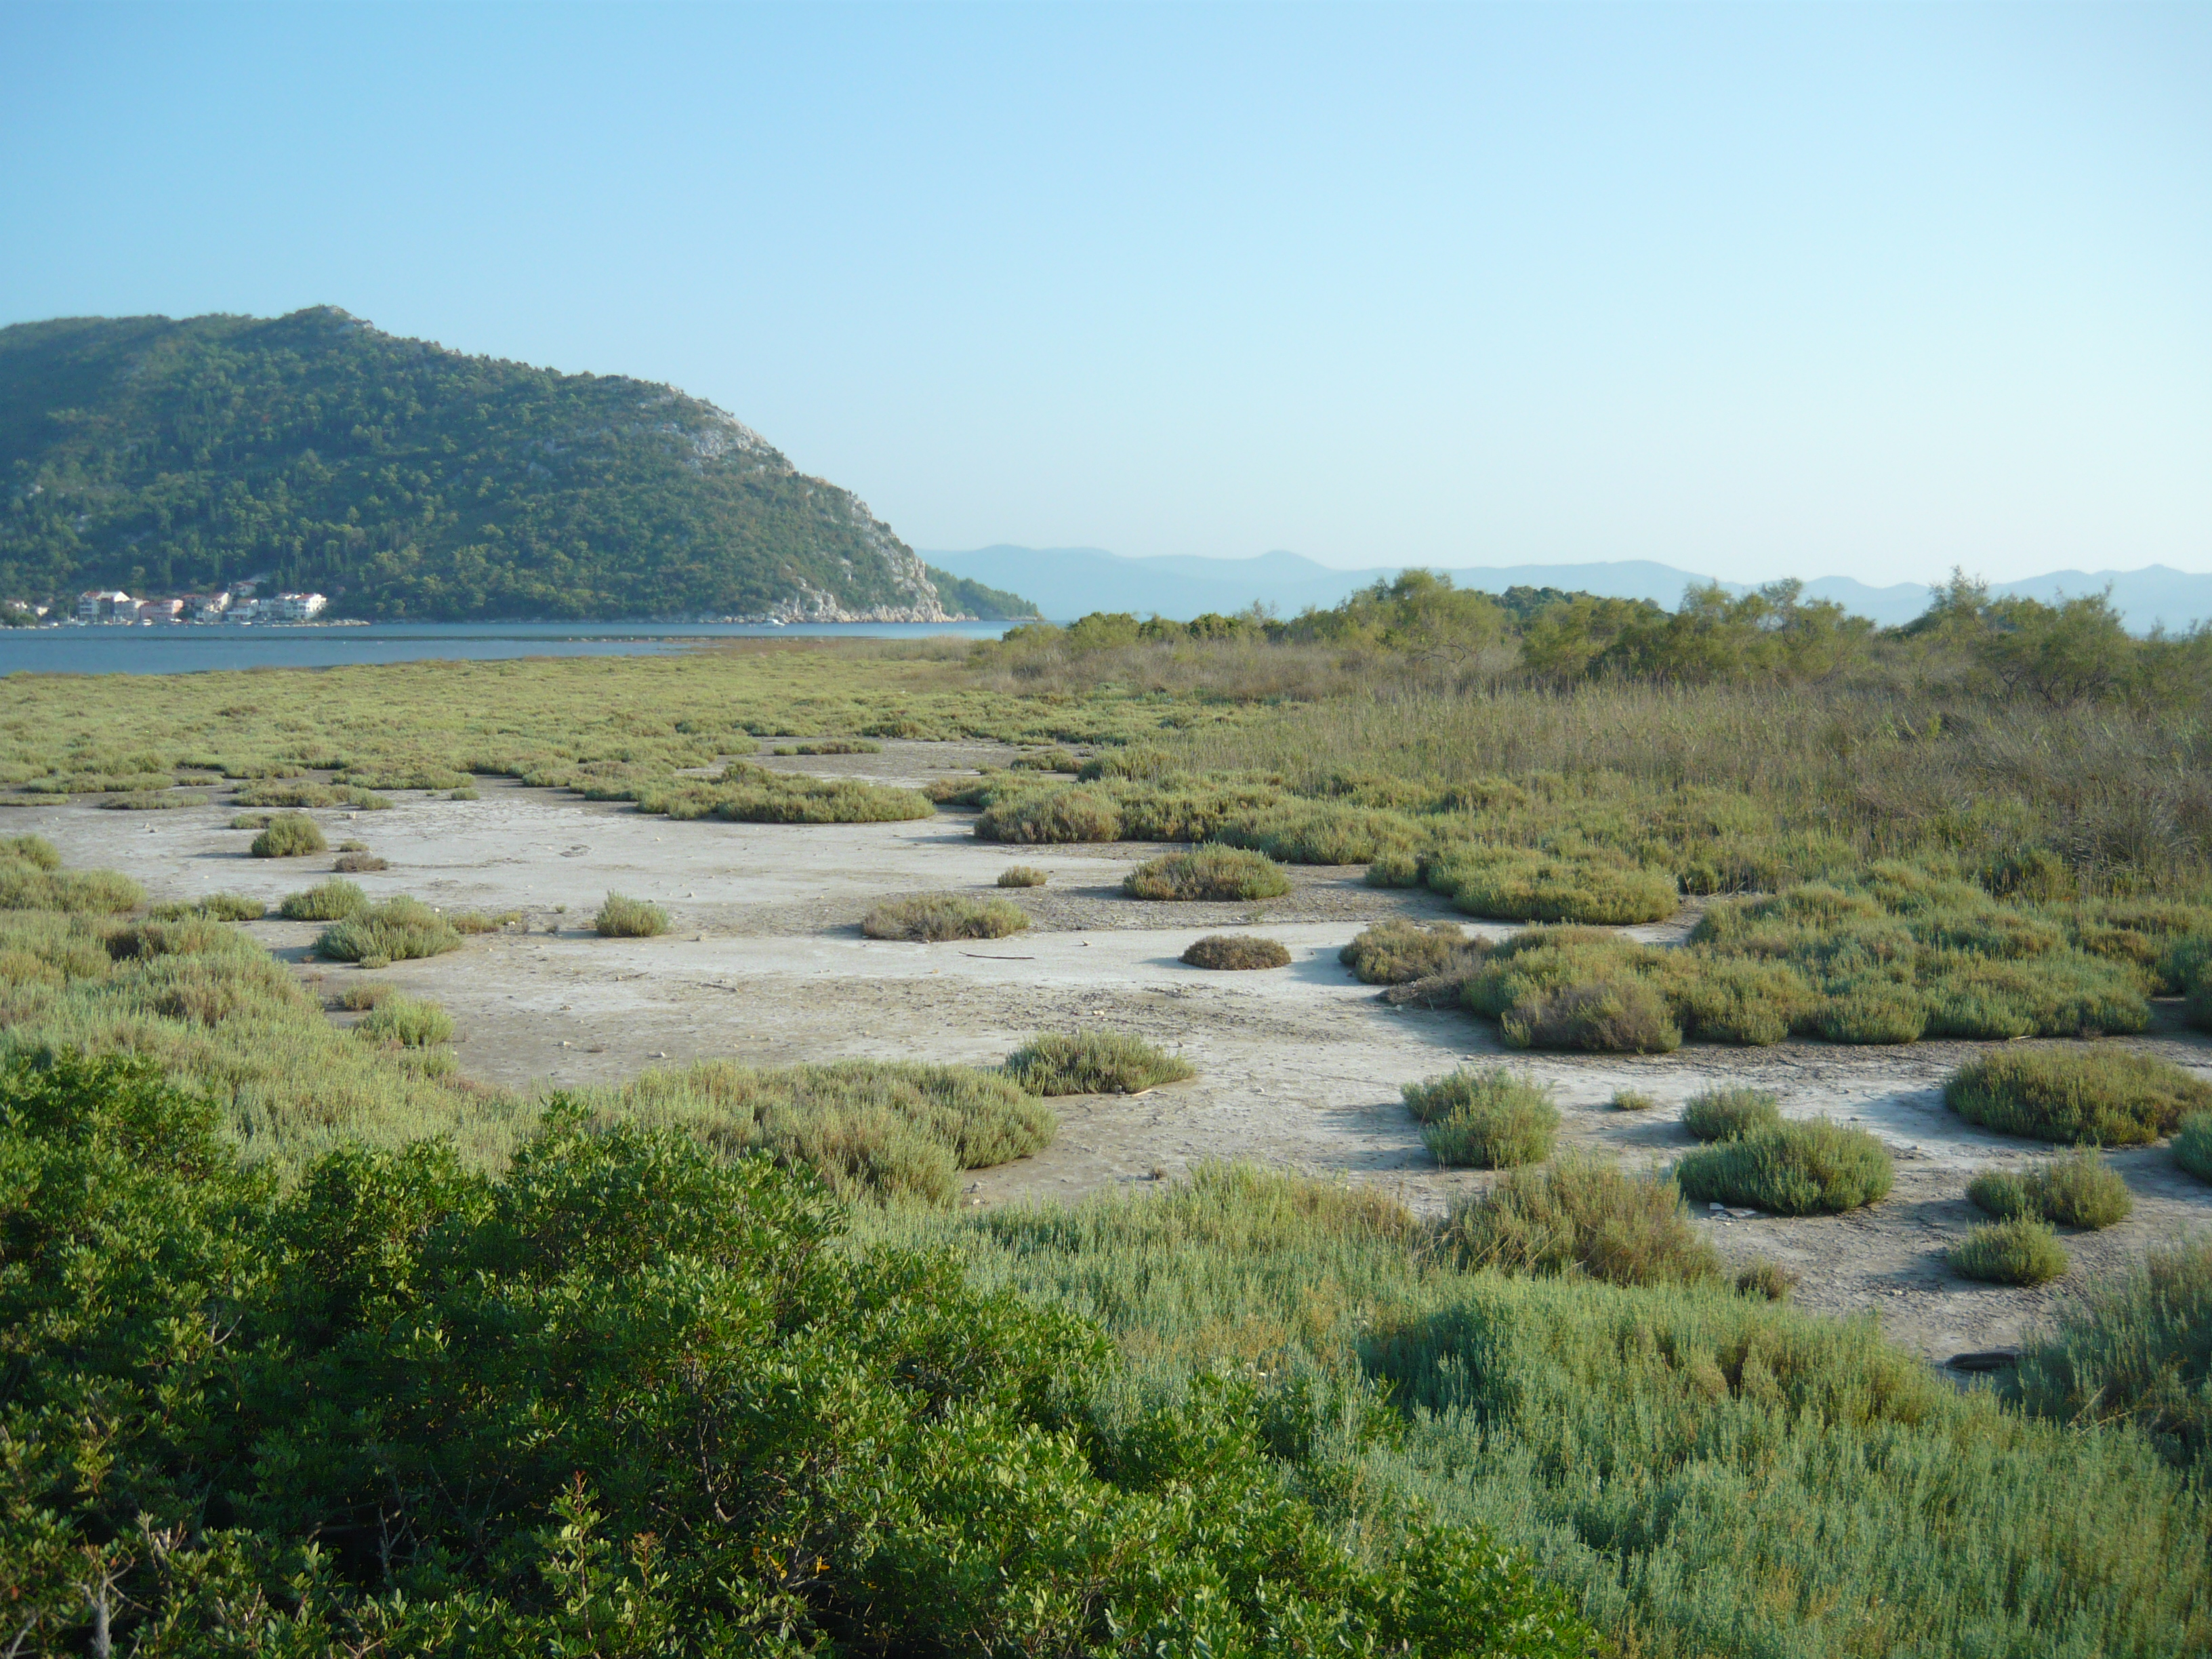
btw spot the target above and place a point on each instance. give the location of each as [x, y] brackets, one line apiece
[405, 480]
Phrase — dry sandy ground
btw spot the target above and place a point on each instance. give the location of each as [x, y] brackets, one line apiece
[1299, 1066]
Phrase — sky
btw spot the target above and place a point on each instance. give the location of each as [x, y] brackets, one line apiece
[1754, 291]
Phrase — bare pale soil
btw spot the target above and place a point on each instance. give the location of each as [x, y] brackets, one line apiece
[1299, 1066]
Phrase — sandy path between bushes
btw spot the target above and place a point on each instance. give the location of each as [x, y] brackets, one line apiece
[1297, 1066]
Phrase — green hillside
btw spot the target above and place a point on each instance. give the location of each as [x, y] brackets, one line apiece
[405, 480]
[975, 599]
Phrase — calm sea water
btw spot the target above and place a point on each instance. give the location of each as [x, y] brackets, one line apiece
[185, 649]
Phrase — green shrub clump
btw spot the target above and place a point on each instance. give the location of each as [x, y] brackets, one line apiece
[288, 835]
[1397, 951]
[359, 862]
[2104, 1097]
[406, 1021]
[2020, 1251]
[1582, 1215]
[31, 878]
[931, 918]
[1236, 952]
[620, 917]
[1022, 875]
[2081, 1190]
[1521, 884]
[1093, 1063]
[1487, 1120]
[1208, 872]
[215, 907]
[548, 1353]
[329, 901]
[830, 746]
[2192, 1146]
[1632, 1100]
[1618, 1017]
[1730, 1114]
[1808, 1166]
[397, 930]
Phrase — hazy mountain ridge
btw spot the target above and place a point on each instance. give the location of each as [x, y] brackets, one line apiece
[1069, 581]
[405, 480]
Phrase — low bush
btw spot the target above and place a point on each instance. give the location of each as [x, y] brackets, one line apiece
[360, 999]
[2081, 1190]
[1487, 1120]
[2134, 1348]
[397, 930]
[252, 820]
[1632, 1100]
[1808, 1166]
[1022, 875]
[1730, 1114]
[620, 917]
[1397, 951]
[831, 746]
[31, 878]
[2020, 1251]
[1093, 1063]
[745, 794]
[1394, 869]
[930, 918]
[216, 907]
[1582, 1215]
[1884, 1014]
[288, 835]
[2192, 1145]
[296, 794]
[357, 863]
[407, 1022]
[476, 921]
[467, 791]
[1768, 1281]
[1236, 951]
[1622, 1017]
[1208, 872]
[2103, 1096]
[329, 901]
[1047, 816]
[1521, 884]
[153, 801]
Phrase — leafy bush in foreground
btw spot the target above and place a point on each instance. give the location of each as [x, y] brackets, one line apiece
[2079, 1191]
[1730, 1114]
[329, 901]
[1581, 1215]
[31, 878]
[1093, 1063]
[2134, 1348]
[1489, 1119]
[2192, 1146]
[1208, 872]
[1808, 1167]
[627, 1397]
[2103, 1096]
[620, 917]
[2021, 1251]
[1236, 952]
[931, 918]
[288, 835]
[397, 930]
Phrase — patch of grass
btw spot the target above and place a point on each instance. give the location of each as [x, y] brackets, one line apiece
[477, 921]
[1236, 952]
[2080, 1190]
[2192, 1145]
[1521, 884]
[1632, 1100]
[252, 820]
[1394, 869]
[1046, 760]
[360, 999]
[397, 930]
[1582, 1215]
[31, 878]
[1022, 875]
[2020, 1251]
[1730, 1114]
[288, 835]
[407, 1022]
[329, 901]
[1093, 1063]
[1622, 1017]
[875, 1129]
[1766, 1281]
[2101, 1096]
[1054, 815]
[216, 907]
[831, 746]
[932, 918]
[359, 863]
[1809, 1167]
[153, 801]
[620, 917]
[467, 791]
[746, 794]
[1397, 951]
[1208, 872]
[1487, 1120]
[302, 793]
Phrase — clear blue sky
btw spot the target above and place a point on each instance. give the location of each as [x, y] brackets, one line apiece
[1756, 290]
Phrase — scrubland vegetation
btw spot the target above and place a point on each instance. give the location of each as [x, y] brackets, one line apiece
[1269, 1413]
[2079, 1191]
[620, 917]
[931, 918]
[1236, 952]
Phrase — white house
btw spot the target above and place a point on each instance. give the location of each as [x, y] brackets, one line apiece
[101, 604]
[297, 607]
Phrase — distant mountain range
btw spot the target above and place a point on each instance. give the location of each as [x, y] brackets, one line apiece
[1065, 582]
